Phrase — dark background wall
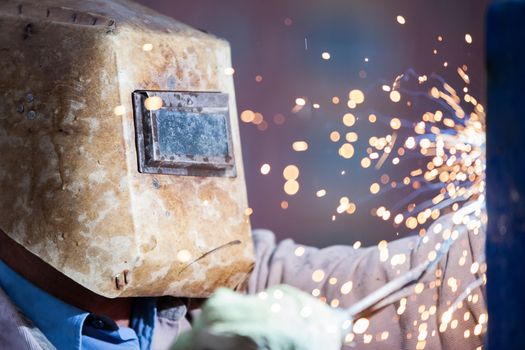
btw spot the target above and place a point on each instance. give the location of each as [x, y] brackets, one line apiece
[282, 41]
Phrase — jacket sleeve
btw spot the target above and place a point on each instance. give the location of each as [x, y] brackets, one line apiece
[342, 275]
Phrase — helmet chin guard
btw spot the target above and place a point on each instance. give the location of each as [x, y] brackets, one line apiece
[120, 156]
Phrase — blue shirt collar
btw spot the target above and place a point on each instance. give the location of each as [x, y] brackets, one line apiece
[63, 324]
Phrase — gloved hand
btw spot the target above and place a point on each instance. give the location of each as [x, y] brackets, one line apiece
[282, 318]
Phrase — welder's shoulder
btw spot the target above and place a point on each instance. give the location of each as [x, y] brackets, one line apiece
[16, 331]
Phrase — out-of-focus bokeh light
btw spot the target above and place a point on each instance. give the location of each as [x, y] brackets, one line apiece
[229, 71]
[265, 169]
[153, 103]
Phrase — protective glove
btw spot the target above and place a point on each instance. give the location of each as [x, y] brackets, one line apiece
[281, 318]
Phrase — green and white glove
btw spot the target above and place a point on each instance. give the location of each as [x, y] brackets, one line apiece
[281, 318]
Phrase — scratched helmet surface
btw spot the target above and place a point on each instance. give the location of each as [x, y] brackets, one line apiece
[120, 158]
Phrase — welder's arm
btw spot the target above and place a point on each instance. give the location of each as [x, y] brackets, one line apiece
[343, 275]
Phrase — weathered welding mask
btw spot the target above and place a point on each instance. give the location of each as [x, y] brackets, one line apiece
[120, 158]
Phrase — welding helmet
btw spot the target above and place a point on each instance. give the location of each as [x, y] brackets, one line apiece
[120, 157]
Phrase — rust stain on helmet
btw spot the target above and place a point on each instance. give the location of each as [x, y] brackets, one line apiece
[70, 188]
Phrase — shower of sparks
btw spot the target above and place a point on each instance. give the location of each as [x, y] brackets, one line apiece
[448, 140]
[451, 140]
[454, 142]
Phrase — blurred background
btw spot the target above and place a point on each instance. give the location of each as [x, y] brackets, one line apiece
[295, 63]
